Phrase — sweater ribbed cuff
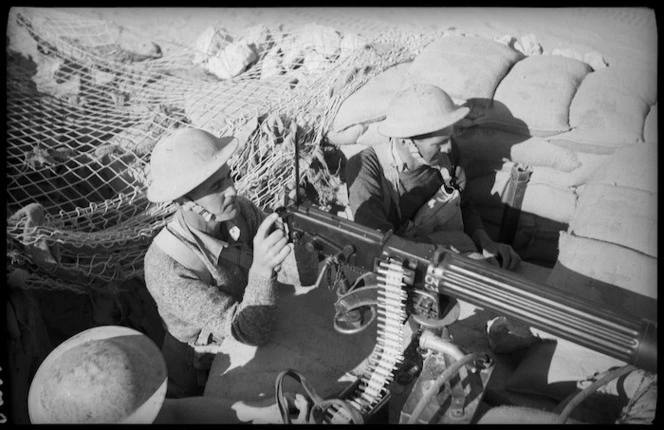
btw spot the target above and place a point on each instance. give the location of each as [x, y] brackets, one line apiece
[260, 290]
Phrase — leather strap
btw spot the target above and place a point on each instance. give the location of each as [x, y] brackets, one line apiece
[182, 254]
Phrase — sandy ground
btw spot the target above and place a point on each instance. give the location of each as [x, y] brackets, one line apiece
[620, 35]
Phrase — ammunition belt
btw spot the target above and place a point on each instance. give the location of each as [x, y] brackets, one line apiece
[388, 352]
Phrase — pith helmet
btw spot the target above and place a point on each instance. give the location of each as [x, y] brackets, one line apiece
[107, 374]
[420, 109]
[184, 159]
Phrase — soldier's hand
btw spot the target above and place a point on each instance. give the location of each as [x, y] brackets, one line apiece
[504, 253]
[270, 247]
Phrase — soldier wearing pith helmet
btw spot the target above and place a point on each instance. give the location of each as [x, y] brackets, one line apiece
[212, 269]
[413, 182]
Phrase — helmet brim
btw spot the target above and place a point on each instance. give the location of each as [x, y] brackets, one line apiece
[143, 414]
[165, 191]
[400, 130]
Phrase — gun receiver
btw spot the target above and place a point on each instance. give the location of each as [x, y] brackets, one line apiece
[437, 269]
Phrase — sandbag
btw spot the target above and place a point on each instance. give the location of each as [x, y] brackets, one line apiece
[556, 368]
[491, 144]
[541, 174]
[621, 215]
[650, 126]
[371, 137]
[465, 67]
[579, 147]
[534, 97]
[553, 203]
[589, 164]
[604, 112]
[368, 104]
[556, 178]
[608, 263]
[633, 166]
[347, 136]
[640, 81]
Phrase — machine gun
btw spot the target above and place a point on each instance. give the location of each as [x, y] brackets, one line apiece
[418, 280]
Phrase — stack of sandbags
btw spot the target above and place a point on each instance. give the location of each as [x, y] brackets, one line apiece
[531, 102]
[609, 252]
[560, 115]
[534, 97]
[609, 109]
[468, 68]
[607, 255]
[552, 113]
[366, 107]
[551, 193]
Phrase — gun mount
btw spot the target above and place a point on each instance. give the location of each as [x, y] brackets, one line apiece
[425, 276]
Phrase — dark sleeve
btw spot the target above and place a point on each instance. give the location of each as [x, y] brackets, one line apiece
[471, 216]
[253, 320]
[366, 199]
[472, 221]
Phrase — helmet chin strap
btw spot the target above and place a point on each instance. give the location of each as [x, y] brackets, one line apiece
[233, 229]
[192, 205]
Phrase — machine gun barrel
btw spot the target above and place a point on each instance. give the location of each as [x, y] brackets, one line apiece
[596, 326]
[608, 331]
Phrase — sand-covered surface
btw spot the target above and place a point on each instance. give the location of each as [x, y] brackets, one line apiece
[621, 35]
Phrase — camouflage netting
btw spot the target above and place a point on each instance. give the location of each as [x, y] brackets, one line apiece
[85, 107]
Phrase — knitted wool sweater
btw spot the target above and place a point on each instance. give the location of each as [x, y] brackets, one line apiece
[241, 305]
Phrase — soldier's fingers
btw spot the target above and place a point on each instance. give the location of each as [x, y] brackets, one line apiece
[265, 226]
[273, 238]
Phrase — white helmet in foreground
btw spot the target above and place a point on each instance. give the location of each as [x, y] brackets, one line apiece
[107, 374]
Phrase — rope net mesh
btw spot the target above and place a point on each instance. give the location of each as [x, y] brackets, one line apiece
[84, 112]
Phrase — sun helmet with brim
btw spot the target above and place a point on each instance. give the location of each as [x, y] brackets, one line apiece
[420, 109]
[184, 159]
[107, 374]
